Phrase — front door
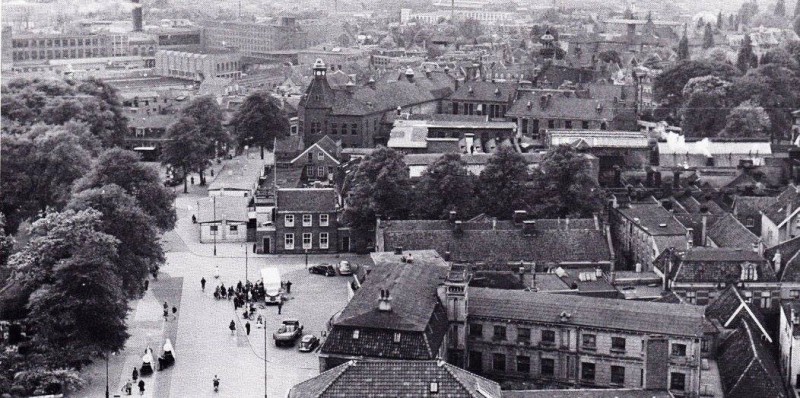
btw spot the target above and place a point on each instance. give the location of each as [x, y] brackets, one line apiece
[266, 246]
[345, 244]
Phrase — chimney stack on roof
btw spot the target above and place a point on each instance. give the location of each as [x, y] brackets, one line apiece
[410, 75]
[385, 301]
[398, 250]
[529, 227]
[520, 216]
[458, 227]
[452, 216]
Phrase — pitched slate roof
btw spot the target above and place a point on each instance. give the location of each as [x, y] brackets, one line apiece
[752, 205]
[502, 246]
[306, 199]
[415, 313]
[747, 368]
[217, 208]
[727, 231]
[654, 218]
[640, 316]
[487, 224]
[715, 265]
[729, 307]
[484, 91]
[790, 197]
[388, 94]
[388, 378]
[561, 107]
[328, 145]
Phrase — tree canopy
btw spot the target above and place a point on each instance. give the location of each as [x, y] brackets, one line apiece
[708, 36]
[141, 181]
[445, 186]
[259, 120]
[380, 186]
[503, 185]
[746, 58]
[563, 186]
[747, 120]
[668, 86]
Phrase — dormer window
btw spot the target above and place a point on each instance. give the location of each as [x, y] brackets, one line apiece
[434, 387]
[749, 272]
[355, 334]
[397, 336]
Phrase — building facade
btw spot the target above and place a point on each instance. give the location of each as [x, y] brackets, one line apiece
[255, 39]
[198, 66]
[305, 222]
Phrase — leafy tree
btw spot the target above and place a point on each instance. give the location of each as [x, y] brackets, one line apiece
[720, 20]
[746, 58]
[208, 126]
[123, 168]
[747, 120]
[668, 86]
[563, 186]
[747, 10]
[797, 25]
[797, 9]
[775, 88]
[139, 249]
[37, 170]
[683, 47]
[380, 186]
[470, 29]
[780, 8]
[705, 106]
[260, 121]
[445, 185]
[610, 56]
[708, 36]
[503, 184]
[780, 56]
[184, 150]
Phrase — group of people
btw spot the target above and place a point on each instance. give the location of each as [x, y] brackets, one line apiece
[244, 292]
[127, 388]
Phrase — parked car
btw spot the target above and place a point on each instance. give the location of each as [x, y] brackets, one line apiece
[288, 333]
[344, 268]
[322, 269]
[308, 343]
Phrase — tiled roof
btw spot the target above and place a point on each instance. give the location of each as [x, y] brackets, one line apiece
[752, 205]
[727, 231]
[388, 378]
[789, 198]
[729, 307]
[388, 94]
[789, 258]
[151, 121]
[423, 257]
[654, 218]
[598, 138]
[216, 208]
[330, 146]
[717, 265]
[707, 147]
[412, 287]
[306, 199]
[588, 393]
[484, 91]
[501, 246]
[747, 368]
[670, 319]
[291, 145]
[417, 159]
[561, 107]
[488, 224]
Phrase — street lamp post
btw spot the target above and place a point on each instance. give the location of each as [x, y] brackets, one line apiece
[214, 200]
[306, 250]
[246, 279]
[265, 360]
[107, 393]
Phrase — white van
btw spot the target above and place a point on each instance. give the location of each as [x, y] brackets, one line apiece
[272, 285]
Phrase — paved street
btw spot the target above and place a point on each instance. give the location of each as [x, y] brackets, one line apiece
[203, 343]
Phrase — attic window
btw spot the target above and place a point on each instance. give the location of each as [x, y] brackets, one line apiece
[434, 387]
[397, 337]
[355, 334]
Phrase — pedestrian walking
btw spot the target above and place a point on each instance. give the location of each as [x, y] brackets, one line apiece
[232, 327]
[135, 374]
[203, 283]
[127, 388]
[146, 284]
[194, 219]
[247, 327]
[141, 387]
[166, 315]
[166, 306]
[192, 179]
[280, 306]
[288, 286]
[216, 272]
[174, 312]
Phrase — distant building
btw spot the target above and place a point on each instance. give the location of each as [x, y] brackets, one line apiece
[489, 98]
[789, 342]
[676, 151]
[223, 219]
[305, 222]
[360, 116]
[198, 65]
[642, 231]
[255, 39]
[781, 220]
[452, 133]
[747, 365]
[319, 161]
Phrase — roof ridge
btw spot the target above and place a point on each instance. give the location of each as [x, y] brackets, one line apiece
[458, 379]
[346, 366]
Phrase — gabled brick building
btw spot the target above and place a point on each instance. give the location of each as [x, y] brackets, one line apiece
[361, 116]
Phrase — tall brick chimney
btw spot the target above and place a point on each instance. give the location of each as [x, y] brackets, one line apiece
[136, 13]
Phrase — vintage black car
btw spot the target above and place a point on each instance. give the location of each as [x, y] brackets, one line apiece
[322, 269]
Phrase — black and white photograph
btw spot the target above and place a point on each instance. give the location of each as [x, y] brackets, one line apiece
[400, 199]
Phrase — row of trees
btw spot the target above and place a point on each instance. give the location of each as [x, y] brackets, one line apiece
[96, 216]
[561, 187]
[750, 99]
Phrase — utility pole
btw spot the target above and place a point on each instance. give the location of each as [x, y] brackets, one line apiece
[245, 263]
[265, 360]
[214, 200]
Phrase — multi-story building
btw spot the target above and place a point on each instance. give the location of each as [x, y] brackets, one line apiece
[585, 341]
[486, 98]
[255, 39]
[789, 341]
[36, 47]
[319, 161]
[305, 222]
[642, 231]
[780, 221]
[361, 116]
[198, 65]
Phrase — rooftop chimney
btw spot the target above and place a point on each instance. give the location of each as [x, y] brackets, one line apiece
[520, 216]
[529, 227]
[452, 215]
[136, 13]
[371, 83]
[458, 227]
[398, 250]
[410, 75]
[385, 301]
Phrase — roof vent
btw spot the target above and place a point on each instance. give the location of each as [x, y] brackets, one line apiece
[662, 225]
